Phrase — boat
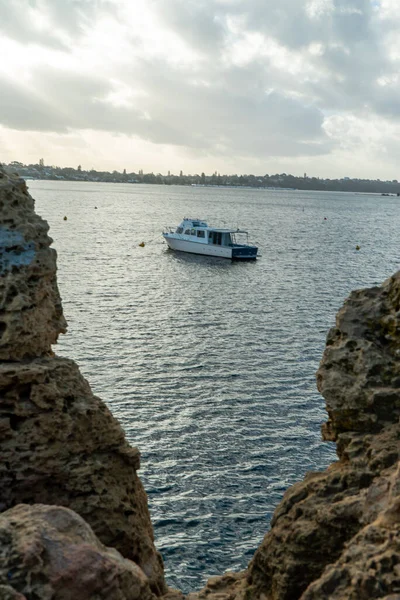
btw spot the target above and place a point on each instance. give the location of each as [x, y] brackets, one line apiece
[196, 237]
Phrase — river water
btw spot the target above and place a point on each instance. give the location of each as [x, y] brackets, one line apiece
[210, 365]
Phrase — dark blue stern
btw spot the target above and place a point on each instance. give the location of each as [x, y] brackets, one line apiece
[244, 252]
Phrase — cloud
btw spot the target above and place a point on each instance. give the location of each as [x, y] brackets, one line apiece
[225, 78]
[52, 23]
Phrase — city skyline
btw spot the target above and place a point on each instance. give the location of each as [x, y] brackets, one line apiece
[212, 85]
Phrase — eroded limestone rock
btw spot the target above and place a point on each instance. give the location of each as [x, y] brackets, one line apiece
[61, 445]
[359, 375]
[369, 566]
[31, 315]
[51, 553]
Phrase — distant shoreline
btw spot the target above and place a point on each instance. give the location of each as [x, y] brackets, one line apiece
[227, 187]
[281, 181]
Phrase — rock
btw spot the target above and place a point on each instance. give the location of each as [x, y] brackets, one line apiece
[230, 586]
[8, 593]
[31, 316]
[359, 375]
[49, 552]
[369, 567]
[59, 444]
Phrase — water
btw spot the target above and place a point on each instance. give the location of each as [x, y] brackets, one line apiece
[210, 365]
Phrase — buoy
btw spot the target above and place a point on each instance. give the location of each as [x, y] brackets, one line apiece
[325, 219]
[95, 206]
[357, 247]
[142, 244]
[65, 218]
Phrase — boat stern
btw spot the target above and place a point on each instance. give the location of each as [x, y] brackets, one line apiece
[244, 252]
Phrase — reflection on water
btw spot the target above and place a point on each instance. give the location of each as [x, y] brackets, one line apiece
[209, 364]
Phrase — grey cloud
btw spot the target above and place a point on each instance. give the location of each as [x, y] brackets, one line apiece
[69, 16]
[194, 22]
[15, 24]
[345, 75]
[74, 16]
[354, 53]
[60, 102]
[238, 120]
[181, 113]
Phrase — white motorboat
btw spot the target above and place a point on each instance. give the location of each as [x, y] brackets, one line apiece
[196, 237]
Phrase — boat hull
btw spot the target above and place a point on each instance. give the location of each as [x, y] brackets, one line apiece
[233, 253]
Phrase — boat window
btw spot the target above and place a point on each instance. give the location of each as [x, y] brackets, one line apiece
[196, 224]
[193, 232]
[200, 234]
[179, 230]
[215, 237]
[187, 231]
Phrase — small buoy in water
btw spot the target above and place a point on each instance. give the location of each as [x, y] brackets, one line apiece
[95, 206]
[65, 218]
[357, 247]
[142, 244]
[325, 218]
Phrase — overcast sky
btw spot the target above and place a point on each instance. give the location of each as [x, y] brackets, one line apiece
[235, 86]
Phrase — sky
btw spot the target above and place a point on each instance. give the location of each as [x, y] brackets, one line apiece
[233, 86]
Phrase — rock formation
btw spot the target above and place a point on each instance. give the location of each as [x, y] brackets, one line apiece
[336, 534]
[53, 553]
[31, 315]
[59, 444]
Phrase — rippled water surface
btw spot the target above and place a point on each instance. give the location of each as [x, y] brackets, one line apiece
[210, 365]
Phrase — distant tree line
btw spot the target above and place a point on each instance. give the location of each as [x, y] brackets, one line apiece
[279, 180]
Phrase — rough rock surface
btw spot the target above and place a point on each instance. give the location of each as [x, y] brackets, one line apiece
[359, 375]
[59, 444]
[369, 567]
[31, 315]
[336, 534]
[50, 553]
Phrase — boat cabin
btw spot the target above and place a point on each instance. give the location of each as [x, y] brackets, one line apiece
[200, 232]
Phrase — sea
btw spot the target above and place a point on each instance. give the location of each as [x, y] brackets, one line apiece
[209, 365]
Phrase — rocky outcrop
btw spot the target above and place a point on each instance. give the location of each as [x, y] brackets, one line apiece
[369, 567]
[359, 376]
[51, 553]
[31, 315]
[59, 444]
[335, 535]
